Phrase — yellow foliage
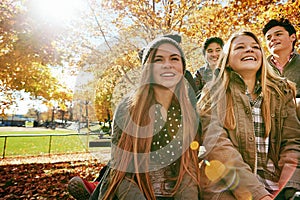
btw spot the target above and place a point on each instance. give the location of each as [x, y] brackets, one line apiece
[195, 20]
[26, 51]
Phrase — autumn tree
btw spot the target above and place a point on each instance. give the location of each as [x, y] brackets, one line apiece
[140, 21]
[214, 19]
[27, 52]
[104, 41]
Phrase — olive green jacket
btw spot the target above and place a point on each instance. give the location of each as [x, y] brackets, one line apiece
[291, 71]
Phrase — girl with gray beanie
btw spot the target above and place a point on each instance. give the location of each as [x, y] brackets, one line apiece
[156, 133]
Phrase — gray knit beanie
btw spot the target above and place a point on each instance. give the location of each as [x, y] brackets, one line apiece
[156, 43]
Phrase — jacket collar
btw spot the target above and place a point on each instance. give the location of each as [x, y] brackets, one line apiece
[237, 78]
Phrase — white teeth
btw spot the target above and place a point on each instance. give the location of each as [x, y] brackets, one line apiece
[248, 58]
[167, 74]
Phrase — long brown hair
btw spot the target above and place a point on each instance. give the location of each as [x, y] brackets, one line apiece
[218, 91]
[136, 137]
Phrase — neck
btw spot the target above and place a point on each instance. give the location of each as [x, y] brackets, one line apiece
[250, 81]
[250, 85]
[211, 66]
[282, 57]
[163, 96]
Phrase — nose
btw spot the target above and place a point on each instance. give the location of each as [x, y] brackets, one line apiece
[215, 54]
[249, 49]
[273, 37]
[167, 64]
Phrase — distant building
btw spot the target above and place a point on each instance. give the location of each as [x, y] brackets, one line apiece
[15, 120]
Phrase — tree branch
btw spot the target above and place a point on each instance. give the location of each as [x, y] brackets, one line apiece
[98, 23]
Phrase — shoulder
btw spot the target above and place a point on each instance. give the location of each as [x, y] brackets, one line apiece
[203, 67]
[188, 73]
[122, 110]
[285, 87]
[189, 77]
[296, 56]
[124, 103]
[199, 71]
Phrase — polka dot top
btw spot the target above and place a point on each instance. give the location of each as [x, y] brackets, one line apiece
[166, 145]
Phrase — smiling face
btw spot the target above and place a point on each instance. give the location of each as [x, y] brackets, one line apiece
[278, 39]
[245, 56]
[212, 54]
[167, 67]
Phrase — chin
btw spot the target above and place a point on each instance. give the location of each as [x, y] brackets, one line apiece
[274, 50]
[165, 86]
[169, 86]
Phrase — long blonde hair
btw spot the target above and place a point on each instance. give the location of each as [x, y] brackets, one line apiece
[218, 90]
[131, 143]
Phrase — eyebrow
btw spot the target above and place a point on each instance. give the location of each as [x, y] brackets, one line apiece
[244, 43]
[277, 31]
[175, 54]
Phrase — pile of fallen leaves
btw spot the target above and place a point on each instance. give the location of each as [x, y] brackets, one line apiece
[44, 180]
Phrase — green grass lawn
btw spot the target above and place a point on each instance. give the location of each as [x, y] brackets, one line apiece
[31, 146]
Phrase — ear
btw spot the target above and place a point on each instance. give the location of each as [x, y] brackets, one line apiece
[293, 37]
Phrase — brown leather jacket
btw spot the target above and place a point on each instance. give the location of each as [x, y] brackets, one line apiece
[236, 149]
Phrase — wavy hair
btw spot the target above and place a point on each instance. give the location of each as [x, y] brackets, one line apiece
[213, 95]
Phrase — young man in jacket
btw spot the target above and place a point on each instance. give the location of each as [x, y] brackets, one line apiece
[281, 38]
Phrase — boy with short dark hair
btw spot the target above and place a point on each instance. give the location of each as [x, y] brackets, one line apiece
[281, 38]
[212, 48]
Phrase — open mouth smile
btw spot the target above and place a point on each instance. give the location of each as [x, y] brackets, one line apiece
[249, 58]
[167, 74]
